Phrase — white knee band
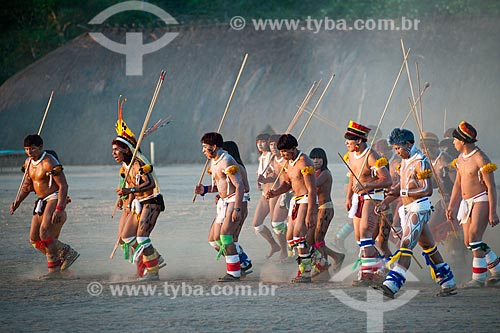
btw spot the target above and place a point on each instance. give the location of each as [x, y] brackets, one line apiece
[144, 242]
[141, 240]
[259, 228]
[279, 228]
[128, 240]
[213, 244]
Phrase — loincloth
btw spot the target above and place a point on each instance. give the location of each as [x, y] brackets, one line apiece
[358, 200]
[295, 204]
[40, 203]
[467, 204]
[154, 199]
[222, 207]
[421, 208]
[326, 205]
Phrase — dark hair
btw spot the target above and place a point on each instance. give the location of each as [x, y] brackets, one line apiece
[232, 148]
[274, 138]
[262, 136]
[287, 141]
[319, 153]
[350, 136]
[400, 136]
[212, 138]
[120, 144]
[33, 140]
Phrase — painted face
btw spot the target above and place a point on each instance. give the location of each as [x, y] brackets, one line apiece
[261, 145]
[209, 150]
[318, 163]
[403, 151]
[274, 149]
[118, 153]
[351, 145]
[288, 154]
[34, 152]
[458, 144]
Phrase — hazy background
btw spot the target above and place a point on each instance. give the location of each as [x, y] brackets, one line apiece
[457, 52]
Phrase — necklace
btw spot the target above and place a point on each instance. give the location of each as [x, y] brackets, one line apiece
[362, 154]
[40, 159]
[465, 156]
[219, 159]
[295, 161]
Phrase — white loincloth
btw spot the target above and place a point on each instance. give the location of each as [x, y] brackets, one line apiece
[222, 207]
[466, 206]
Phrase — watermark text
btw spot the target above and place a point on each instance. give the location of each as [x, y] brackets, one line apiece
[316, 25]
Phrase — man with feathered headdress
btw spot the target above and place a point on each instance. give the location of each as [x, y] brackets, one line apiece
[142, 202]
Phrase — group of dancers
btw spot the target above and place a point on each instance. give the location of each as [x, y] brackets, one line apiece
[387, 196]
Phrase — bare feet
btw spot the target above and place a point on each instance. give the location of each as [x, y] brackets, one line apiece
[274, 248]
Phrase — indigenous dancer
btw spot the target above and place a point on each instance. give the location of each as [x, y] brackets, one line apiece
[442, 230]
[362, 197]
[46, 178]
[265, 178]
[316, 236]
[232, 149]
[143, 203]
[299, 177]
[277, 205]
[415, 188]
[476, 183]
[227, 181]
[384, 233]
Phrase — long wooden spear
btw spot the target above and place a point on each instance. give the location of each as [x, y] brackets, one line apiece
[369, 195]
[316, 106]
[325, 120]
[408, 72]
[385, 109]
[419, 91]
[224, 115]
[39, 133]
[306, 124]
[303, 105]
[297, 115]
[143, 130]
[426, 85]
[419, 126]
[136, 150]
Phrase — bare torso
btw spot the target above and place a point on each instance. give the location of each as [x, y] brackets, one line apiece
[324, 182]
[468, 169]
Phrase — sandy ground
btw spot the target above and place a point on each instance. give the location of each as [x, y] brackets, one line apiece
[187, 297]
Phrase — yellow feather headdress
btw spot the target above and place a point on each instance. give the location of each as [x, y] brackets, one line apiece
[124, 133]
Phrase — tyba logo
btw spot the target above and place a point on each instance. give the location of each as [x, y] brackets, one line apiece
[134, 49]
[374, 306]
